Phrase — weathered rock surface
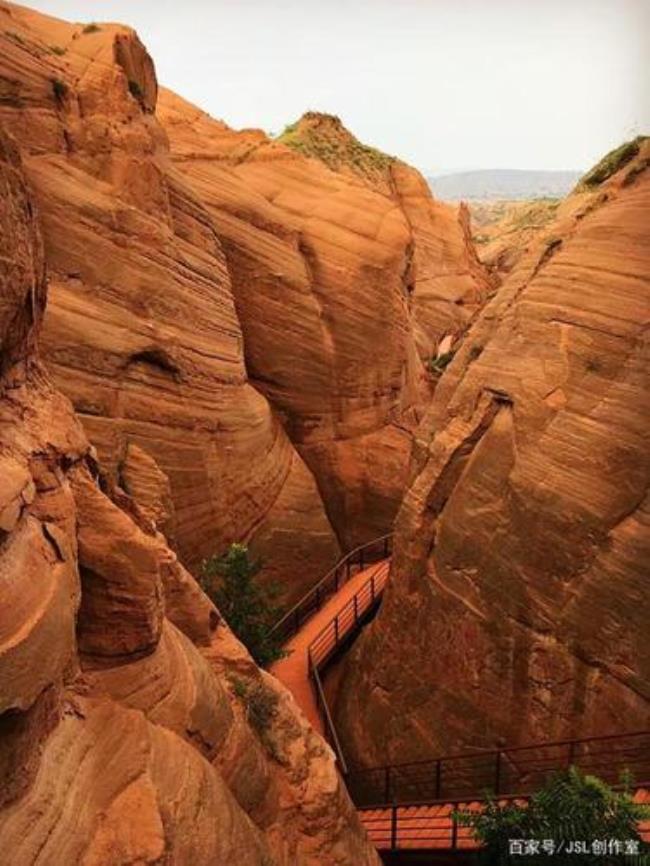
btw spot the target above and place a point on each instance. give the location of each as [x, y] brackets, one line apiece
[141, 331]
[504, 230]
[518, 607]
[121, 741]
[342, 267]
[329, 280]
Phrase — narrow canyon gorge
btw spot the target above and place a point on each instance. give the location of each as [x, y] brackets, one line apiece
[518, 608]
[212, 336]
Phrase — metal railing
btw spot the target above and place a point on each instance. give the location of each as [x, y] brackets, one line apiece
[412, 805]
[435, 826]
[333, 637]
[329, 727]
[350, 618]
[352, 563]
[514, 771]
[411, 825]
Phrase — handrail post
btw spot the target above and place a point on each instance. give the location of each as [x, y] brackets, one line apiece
[454, 832]
[438, 779]
[497, 773]
[393, 827]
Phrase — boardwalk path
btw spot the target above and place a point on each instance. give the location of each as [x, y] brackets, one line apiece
[429, 824]
[293, 671]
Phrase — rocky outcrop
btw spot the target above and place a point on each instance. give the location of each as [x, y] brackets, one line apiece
[517, 608]
[503, 231]
[133, 726]
[333, 249]
[330, 281]
[141, 331]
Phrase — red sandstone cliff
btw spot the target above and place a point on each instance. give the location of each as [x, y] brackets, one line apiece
[126, 728]
[342, 267]
[518, 607]
[239, 326]
[141, 331]
[123, 736]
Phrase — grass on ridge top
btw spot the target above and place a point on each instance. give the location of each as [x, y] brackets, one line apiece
[611, 163]
[323, 136]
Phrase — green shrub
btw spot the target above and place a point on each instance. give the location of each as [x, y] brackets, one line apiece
[262, 707]
[59, 89]
[135, 90]
[246, 605]
[15, 37]
[288, 129]
[330, 142]
[570, 807]
[611, 163]
[635, 171]
[437, 365]
[91, 28]
[261, 704]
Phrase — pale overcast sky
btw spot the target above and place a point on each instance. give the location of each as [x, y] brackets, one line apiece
[444, 84]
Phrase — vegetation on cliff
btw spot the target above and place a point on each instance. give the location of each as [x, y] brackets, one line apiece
[325, 137]
[248, 607]
[571, 808]
[612, 162]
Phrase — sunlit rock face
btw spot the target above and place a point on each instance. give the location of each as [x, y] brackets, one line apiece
[517, 609]
[123, 738]
[242, 326]
[346, 276]
[141, 331]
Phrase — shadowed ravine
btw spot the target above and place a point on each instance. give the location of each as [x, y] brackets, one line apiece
[217, 340]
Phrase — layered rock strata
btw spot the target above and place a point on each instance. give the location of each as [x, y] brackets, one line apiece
[517, 609]
[346, 277]
[133, 726]
[141, 331]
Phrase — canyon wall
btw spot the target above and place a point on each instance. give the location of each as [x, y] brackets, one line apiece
[346, 276]
[133, 726]
[242, 327]
[141, 331]
[517, 608]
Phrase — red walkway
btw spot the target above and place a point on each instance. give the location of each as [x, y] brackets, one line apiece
[432, 827]
[293, 671]
[347, 599]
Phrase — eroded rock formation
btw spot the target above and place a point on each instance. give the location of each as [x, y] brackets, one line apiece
[346, 276]
[127, 731]
[330, 282]
[141, 331]
[517, 609]
[504, 230]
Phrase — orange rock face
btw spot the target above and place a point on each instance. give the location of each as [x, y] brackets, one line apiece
[505, 230]
[517, 609]
[239, 322]
[141, 330]
[125, 735]
[333, 250]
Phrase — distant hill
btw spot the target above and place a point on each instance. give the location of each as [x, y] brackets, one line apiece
[503, 183]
